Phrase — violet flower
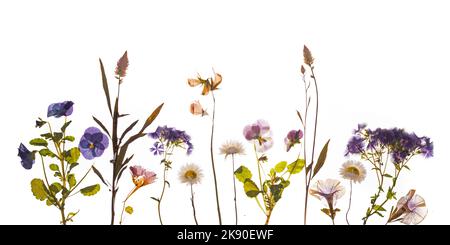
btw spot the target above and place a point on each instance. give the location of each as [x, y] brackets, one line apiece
[60, 109]
[93, 143]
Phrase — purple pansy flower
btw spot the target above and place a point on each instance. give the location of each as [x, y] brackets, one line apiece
[260, 133]
[157, 148]
[93, 143]
[293, 138]
[27, 157]
[60, 109]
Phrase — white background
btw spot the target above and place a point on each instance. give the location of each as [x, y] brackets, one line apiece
[380, 62]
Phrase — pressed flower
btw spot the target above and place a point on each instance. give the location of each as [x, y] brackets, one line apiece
[60, 109]
[122, 65]
[353, 171]
[157, 148]
[141, 176]
[172, 136]
[329, 190]
[411, 209]
[260, 133]
[208, 84]
[26, 156]
[93, 143]
[197, 109]
[190, 174]
[232, 147]
[293, 138]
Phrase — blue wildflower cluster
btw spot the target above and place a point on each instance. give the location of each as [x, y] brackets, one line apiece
[170, 137]
[400, 144]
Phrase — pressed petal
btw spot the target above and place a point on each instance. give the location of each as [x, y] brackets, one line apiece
[194, 82]
[84, 144]
[87, 153]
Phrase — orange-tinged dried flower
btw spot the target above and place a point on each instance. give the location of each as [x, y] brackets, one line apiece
[122, 66]
[209, 84]
[307, 56]
[197, 109]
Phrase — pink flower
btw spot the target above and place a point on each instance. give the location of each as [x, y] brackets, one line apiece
[327, 190]
[122, 65]
[260, 133]
[141, 176]
[411, 209]
[293, 138]
[197, 109]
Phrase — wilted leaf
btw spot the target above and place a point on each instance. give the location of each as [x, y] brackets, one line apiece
[69, 138]
[152, 117]
[64, 127]
[280, 166]
[72, 155]
[99, 175]
[250, 188]
[296, 167]
[46, 152]
[321, 160]
[243, 173]
[129, 210]
[128, 129]
[90, 190]
[38, 142]
[39, 190]
[55, 188]
[101, 126]
[72, 181]
[105, 86]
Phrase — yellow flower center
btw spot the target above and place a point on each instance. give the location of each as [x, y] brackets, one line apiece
[138, 181]
[352, 170]
[91, 146]
[190, 174]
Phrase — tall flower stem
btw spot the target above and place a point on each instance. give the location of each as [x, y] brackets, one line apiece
[125, 201]
[162, 194]
[193, 205]
[234, 188]
[304, 150]
[212, 157]
[314, 142]
[349, 203]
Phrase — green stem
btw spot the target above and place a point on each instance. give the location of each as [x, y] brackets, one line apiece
[162, 195]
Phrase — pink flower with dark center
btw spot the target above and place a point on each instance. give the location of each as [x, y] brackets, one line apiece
[260, 133]
[141, 176]
[293, 138]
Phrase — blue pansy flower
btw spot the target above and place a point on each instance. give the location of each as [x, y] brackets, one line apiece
[60, 109]
[27, 157]
[93, 143]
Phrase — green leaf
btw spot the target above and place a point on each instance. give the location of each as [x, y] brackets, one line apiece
[46, 152]
[379, 214]
[276, 191]
[55, 188]
[47, 135]
[378, 208]
[243, 173]
[322, 158]
[57, 136]
[387, 175]
[39, 190]
[49, 202]
[90, 190]
[105, 86]
[280, 166]
[129, 210]
[64, 127]
[69, 138]
[154, 198]
[39, 142]
[72, 181]
[40, 123]
[296, 167]
[250, 188]
[72, 165]
[54, 167]
[72, 155]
